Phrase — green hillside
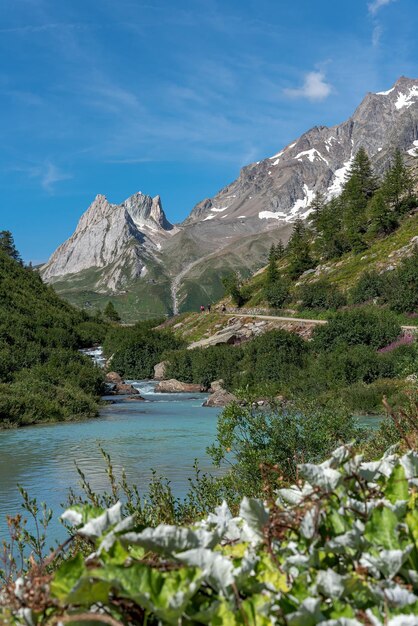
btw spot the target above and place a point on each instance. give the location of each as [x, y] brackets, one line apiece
[43, 377]
[343, 257]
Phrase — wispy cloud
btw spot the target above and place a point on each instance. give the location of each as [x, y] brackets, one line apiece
[376, 35]
[48, 175]
[314, 87]
[378, 4]
[41, 28]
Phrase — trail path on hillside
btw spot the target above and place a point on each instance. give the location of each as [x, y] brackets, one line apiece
[299, 320]
[176, 284]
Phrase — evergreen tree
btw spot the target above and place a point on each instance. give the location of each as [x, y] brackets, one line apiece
[7, 245]
[316, 207]
[359, 188]
[272, 271]
[326, 222]
[272, 253]
[381, 217]
[300, 258]
[110, 312]
[398, 184]
[280, 250]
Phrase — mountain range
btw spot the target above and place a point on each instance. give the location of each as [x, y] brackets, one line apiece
[131, 254]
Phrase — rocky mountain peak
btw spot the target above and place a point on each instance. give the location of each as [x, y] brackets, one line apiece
[147, 212]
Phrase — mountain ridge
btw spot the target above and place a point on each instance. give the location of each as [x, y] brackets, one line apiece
[138, 240]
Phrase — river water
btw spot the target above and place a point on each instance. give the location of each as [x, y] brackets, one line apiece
[166, 433]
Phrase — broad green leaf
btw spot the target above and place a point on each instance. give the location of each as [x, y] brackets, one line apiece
[397, 485]
[67, 576]
[166, 594]
[269, 574]
[381, 529]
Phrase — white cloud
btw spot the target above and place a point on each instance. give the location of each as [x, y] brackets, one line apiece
[48, 175]
[376, 35]
[378, 4]
[314, 87]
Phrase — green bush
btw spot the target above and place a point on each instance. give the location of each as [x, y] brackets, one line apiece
[367, 399]
[277, 294]
[368, 326]
[321, 295]
[401, 286]
[137, 357]
[369, 286]
[267, 443]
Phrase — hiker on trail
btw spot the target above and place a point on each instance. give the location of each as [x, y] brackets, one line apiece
[208, 308]
[202, 309]
[223, 309]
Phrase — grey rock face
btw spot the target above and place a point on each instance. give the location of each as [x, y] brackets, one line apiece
[279, 189]
[119, 238]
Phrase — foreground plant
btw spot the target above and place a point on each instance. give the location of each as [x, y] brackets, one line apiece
[339, 548]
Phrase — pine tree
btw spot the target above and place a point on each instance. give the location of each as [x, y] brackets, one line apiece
[381, 216]
[358, 189]
[300, 258]
[7, 245]
[110, 312]
[272, 252]
[398, 184]
[272, 271]
[280, 250]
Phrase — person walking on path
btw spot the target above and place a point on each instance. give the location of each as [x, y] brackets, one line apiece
[202, 308]
[209, 307]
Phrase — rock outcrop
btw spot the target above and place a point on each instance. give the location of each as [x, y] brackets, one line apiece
[116, 386]
[175, 386]
[220, 398]
[119, 238]
[160, 370]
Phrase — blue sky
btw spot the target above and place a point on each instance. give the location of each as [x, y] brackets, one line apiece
[172, 97]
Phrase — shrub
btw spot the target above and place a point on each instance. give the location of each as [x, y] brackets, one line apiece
[370, 285]
[277, 293]
[321, 295]
[363, 398]
[136, 358]
[368, 326]
[401, 286]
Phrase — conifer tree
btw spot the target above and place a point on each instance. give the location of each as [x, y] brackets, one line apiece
[272, 253]
[381, 216]
[272, 271]
[111, 313]
[358, 189]
[7, 245]
[280, 250]
[398, 183]
[300, 258]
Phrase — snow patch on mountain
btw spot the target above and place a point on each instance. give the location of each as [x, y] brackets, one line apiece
[339, 179]
[270, 215]
[414, 151]
[385, 93]
[406, 99]
[311, 154]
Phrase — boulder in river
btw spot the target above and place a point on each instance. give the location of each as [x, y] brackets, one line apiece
[176, 386]
[113, 377]
[216, 385]
[160, 370]
[220, 398]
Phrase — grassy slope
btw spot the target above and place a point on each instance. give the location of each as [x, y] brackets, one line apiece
[346, 271]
